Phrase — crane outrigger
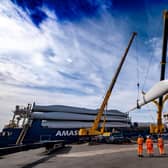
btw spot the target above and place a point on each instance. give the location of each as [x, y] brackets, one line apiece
[93, 131]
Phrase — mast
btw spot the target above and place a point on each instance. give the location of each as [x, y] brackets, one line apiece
[163, 68]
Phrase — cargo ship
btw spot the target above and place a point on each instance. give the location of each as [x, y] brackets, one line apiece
[35, 123]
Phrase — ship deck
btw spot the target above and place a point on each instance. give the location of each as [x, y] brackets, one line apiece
[84, 156]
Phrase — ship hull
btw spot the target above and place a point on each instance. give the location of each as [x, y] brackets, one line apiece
[36, 133]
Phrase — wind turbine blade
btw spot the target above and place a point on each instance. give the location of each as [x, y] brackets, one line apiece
[158, 90]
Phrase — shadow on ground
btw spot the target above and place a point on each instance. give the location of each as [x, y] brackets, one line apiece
[161, 156]
[155, 156]
[44, 159]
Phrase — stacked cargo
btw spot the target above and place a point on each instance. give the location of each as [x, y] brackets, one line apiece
[59, 116]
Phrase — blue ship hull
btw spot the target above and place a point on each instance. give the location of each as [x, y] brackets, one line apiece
[36, 133]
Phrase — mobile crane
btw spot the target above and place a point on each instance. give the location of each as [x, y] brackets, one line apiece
[159, 90]
[93, 131]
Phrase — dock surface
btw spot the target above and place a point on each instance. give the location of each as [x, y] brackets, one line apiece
[86, 156]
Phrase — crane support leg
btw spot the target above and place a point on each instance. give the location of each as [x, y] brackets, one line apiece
[159, 120]
[163, 68]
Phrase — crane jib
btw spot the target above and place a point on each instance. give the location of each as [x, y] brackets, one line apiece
[109, 91]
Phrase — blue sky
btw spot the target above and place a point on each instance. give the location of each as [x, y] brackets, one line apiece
[66, 52]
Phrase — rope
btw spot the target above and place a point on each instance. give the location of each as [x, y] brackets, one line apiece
[105, 114]
[147, 72]
[151, 34]
[105, 111]
[137, 71]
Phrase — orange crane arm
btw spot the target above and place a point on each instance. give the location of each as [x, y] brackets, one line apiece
[109, 91]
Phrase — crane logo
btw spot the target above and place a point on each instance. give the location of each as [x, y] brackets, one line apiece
[67, 133]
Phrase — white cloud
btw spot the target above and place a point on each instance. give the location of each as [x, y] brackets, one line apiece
[78, 56]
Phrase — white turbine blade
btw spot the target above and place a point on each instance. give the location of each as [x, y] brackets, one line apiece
[158, 90]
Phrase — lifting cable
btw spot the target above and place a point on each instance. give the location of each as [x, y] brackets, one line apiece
[105, 117]
[151, 55]
[105, 112]
[137, 71]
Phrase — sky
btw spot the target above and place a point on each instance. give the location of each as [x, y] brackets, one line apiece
[66, 52]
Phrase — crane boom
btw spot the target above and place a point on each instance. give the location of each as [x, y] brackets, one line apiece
[93, 129]
[163, 70]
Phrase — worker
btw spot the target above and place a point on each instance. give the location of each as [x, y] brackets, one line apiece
[161, 145]
[149, 145]
[140, 141]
